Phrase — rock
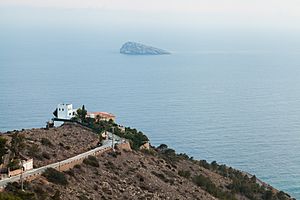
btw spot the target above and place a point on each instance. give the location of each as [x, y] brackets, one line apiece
[133, 48]
[145, 146]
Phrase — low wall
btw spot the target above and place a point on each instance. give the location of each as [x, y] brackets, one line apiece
[14, 172]
[66, 166]
[125, 146]
[63, 165]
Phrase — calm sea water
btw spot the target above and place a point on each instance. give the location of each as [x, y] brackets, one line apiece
[241, 108]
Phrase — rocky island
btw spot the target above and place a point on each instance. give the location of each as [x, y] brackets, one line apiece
[134, 171]
[134, 48]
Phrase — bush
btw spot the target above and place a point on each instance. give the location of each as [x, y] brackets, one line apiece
[46, 155]
[70, 172]
[3, 149]
[14, 164]
[185, 174]
[137, 138]
[244, 185]
[282, 196]
[55, 176]
[169, 155]
[40, 192]
[160, 176]
[92, 161]
[162, 147]
[184, 156]
[34, 151]
[13, 192]
[56, 196]
[214, 165]
[204, 163]
[268, 195]
[77, 166]
[114, 153]
[149, 152]
[7, 196]
[110, 165]
[206, 184]
[46, 141]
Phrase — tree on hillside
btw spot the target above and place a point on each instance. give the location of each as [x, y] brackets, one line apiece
[17, 143]
[81, 114]
[162, 147]
[3, 149]
[98, 118]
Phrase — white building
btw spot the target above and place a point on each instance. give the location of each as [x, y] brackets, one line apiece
[27, 164]
[65, 111]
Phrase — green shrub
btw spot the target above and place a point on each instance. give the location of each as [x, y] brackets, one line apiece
[70, 172]
[184, 156]
[160, 176]
[92, 161]
[46, 155]
[268, 195]
[282, 196]
[7, 196]
[55, 176]
[34, 151]
[13, 192]
[46, 141]
[3, 149]
[169, 155]
[214, 165]
[185, 174]
[56, 196]
[14, 164]
[149, 152]
[206, 184]
[77, 166]
[244, 185]
[204, 163]
[136, 138]
[110, 165]
[40, 192]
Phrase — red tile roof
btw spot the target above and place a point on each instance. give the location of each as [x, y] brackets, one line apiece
[102, 114]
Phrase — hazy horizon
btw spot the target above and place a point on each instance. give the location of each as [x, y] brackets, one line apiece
[191, 25]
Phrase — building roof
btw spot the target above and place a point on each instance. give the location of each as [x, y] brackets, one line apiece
[102, 114]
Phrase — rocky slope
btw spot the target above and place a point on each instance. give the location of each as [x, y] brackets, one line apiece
[158, 173]
[55, 144]
[133, 48]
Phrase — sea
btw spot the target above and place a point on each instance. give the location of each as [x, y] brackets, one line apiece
[214, 99]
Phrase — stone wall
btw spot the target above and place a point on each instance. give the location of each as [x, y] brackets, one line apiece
[66, 166]
[125, 146]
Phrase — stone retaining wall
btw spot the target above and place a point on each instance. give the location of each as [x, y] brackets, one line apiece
[66, 166]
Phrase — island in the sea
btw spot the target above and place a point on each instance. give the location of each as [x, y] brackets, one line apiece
[134, 48]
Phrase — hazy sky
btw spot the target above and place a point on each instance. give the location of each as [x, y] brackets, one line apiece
[153, 20]
[272, 13]
[262, 7]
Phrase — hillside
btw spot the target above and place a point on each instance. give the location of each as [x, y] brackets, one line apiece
[55, 144]
[158, 173]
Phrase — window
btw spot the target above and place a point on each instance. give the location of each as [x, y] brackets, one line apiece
[59, 109]
[70, 114]
[62, 109]
[73, 113]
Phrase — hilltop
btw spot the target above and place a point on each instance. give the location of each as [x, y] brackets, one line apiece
[56, 144]
[154, 173]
